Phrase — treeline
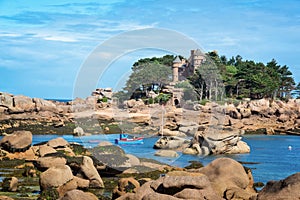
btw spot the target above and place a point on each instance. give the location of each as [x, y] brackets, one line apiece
[242, 79]
[217, 78]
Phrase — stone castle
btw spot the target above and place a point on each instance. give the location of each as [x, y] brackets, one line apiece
[184, 68]
[181, 70]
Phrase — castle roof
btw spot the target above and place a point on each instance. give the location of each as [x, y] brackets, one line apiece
[198, 52]
[177, 60]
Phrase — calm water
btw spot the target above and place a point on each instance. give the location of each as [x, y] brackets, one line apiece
[271, 153]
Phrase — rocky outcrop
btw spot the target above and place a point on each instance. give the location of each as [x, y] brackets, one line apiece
[176, 185]
[229, 178]
[44, 105]
[22, 104]
[91, 173]
[78, 131]
[125, 185]
[58, 142]
[166, 153]
[216, 141]
[19, 111]
[18, 141]
[45, 149]
[55, 177]
[170, 142]
[287, 189]
[48, 162]
[223, 178]
[78, 195]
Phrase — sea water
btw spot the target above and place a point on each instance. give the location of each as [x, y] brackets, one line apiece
[271, 158]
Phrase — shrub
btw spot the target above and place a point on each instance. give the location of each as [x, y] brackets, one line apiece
[104, 100]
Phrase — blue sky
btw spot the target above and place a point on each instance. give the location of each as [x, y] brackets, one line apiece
[45, 43]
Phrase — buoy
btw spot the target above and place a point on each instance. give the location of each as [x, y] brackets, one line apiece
[290, 147]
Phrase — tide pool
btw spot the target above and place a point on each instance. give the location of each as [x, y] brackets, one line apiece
[271, 157]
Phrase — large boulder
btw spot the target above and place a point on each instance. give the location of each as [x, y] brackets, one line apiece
[78, 195]
[91, 173]
[125, 185]
[168, 132]
[176, 185]
[169, 142]
[166, 153]
[58, 142]
[132, 160]
[132, 103]
[55, 177]
[44, 105]
[23, 104]
[78, 131]
[189, 130]
[215, 141]
[287, 189]
[45, 149]
[48, 162]
[233, 112]
[6, 100]
[245, 112]
[139, 118]
[227, 175]
[18, 141]
[259, 106]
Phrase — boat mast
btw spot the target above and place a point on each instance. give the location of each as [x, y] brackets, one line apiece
[162, 120]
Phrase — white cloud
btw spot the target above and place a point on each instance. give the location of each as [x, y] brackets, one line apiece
[60, 38]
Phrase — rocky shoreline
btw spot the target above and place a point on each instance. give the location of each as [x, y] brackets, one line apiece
[41, 116]
[214, 128]
[57, 169]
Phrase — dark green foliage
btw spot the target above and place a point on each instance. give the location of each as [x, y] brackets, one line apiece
[207, 80]
[104, 100]
[49, 194]
[194, 165]
[6, 184]
[150, 101]
[216, 78]
[242, 79]
[162, 98]
[129, 188]
[112, 149]
[149, 74]
[79, 149]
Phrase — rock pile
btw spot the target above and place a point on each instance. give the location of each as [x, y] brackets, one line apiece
[224, 178]
[61, 169]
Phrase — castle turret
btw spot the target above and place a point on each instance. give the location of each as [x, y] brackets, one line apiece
[176, 64]
[198, 58]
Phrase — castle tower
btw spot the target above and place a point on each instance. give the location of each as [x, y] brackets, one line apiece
[198, 58]
[176, 64]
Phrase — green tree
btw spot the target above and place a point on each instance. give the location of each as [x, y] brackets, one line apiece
[284, 78]
[207, 79]
[147, 76]
[229, 79]
[188, 90]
